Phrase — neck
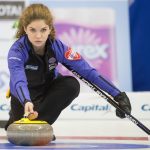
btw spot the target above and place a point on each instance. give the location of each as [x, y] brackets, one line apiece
[39, 50]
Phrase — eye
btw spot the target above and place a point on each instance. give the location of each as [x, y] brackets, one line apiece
[43, 30]
[32, 30]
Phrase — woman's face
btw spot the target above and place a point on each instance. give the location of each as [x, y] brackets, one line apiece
[38, 32]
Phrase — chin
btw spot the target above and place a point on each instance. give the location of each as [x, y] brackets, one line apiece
[38, 44]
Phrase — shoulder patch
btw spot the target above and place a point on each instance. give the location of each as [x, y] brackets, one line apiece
[71, 55]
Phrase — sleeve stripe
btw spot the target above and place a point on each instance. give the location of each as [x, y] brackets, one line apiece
[18, 96]
[14, 58]
[22, 92]
[111, 85]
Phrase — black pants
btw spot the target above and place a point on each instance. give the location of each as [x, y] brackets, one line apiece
[60, 93]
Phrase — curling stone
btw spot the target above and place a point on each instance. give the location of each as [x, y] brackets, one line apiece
[29, 133]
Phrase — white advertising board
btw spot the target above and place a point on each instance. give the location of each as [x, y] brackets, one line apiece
[92, 107]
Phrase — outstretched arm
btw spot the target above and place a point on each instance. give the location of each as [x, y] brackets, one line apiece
[74, 61]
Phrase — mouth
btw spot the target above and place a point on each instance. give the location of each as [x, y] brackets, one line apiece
[38, 41]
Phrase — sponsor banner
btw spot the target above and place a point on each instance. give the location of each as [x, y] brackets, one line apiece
[94, 41]
[4, 48]
[11, 9]
[140, 104]
[4, 107]
[88, 106]
[92, 107]
[4, 76]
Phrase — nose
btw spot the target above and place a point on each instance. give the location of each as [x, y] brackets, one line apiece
[38, 35]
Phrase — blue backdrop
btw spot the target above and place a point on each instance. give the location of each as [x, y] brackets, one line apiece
[140, 44]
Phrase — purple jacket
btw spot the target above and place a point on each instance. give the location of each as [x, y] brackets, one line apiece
[19, 54]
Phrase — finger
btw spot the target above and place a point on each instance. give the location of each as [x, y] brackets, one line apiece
[33, 115]
[26, 111]
[26, 114]
[120, 114]
[31, 109]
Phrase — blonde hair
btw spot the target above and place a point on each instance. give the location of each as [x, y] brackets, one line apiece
[34, 12]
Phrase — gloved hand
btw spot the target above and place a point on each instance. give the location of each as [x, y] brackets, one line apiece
[124, 103]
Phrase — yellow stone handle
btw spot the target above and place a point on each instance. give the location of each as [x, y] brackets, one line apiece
[8, 94]
[27, 121]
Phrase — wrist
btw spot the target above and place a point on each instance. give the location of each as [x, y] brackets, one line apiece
[26, 100]
[120, 96]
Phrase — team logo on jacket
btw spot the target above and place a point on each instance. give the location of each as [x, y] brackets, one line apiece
[71, 55]
[52, 63]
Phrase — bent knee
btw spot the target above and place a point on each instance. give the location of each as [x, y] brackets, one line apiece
[72, 85]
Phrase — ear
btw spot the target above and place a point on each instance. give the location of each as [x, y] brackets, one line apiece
[25, 29]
